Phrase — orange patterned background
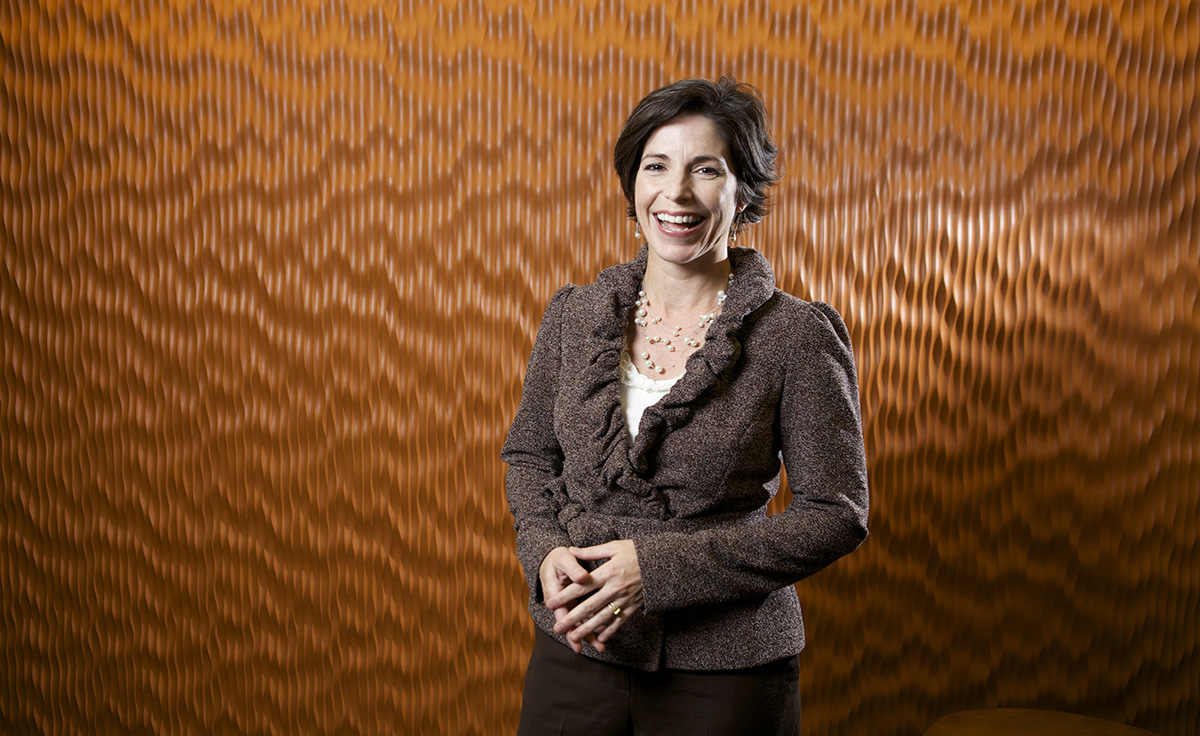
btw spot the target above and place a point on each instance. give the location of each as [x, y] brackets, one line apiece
[271, 272]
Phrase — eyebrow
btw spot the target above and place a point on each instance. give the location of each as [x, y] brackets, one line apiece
[696, 160]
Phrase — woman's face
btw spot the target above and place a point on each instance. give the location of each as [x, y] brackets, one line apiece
[685, 193]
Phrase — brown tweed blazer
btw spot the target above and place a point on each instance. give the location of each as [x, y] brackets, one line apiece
[774, 380]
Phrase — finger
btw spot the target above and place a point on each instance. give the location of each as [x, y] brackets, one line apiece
[599, 552]
[582, 611]
[551, 586]
[598, 624]
[618, 620]
[566, 565]
[554, 571]
[565, 596]
[590, 617]
[578, 573]
[555, 596]
[574, 619]
[597, 645]
[560, 613]
[586, 630]
[562, 564]
[571, 592]
[611, 628]
[575, 644]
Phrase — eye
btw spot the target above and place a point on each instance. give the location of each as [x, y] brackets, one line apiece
[709, 171]
[654, 166]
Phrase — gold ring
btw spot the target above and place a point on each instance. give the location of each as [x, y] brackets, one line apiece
[616, 610]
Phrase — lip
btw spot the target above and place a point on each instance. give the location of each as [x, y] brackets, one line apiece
[675, 231]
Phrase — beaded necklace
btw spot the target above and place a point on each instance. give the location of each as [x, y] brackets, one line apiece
[691, 340]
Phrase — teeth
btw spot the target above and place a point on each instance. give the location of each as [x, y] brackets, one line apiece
[679, 219]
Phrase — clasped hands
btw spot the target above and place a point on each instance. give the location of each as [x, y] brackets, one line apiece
[616, 588]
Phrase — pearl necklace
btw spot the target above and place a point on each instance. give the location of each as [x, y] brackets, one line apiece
[643, 318]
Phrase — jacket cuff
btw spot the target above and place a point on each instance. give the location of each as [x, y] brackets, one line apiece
[659, 573]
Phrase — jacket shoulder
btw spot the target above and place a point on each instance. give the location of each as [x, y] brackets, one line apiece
[807, 315]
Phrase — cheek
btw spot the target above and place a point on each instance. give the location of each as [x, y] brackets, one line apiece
[727, 202]
[639, 191]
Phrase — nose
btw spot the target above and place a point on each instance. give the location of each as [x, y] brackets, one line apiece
[680, 187]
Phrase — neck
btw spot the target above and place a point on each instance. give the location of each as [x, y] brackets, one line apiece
[684, 289]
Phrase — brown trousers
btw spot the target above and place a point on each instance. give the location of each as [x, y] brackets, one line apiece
[569, 694]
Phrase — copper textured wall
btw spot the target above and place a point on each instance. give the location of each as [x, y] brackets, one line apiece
[271, 272]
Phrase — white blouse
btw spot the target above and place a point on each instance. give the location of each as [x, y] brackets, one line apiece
[639, 392]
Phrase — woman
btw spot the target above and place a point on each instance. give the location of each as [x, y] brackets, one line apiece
[658, 404]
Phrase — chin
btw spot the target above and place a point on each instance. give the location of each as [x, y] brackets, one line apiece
[682, 254]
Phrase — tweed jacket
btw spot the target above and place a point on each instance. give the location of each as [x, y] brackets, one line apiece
[775, 380]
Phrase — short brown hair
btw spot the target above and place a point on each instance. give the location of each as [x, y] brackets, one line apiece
[739, 115]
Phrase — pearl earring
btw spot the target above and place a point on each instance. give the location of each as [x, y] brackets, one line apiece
[735, 228]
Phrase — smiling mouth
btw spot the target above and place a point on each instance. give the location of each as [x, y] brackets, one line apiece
[678, 223]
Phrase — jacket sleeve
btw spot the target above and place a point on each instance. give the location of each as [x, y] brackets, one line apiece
[821, 436]
[534, 457]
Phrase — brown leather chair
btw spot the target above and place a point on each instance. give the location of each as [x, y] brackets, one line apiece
[1025, 722]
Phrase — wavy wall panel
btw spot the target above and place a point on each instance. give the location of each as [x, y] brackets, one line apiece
[271, 272]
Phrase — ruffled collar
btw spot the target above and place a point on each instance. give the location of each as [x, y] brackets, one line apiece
[629, 465]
